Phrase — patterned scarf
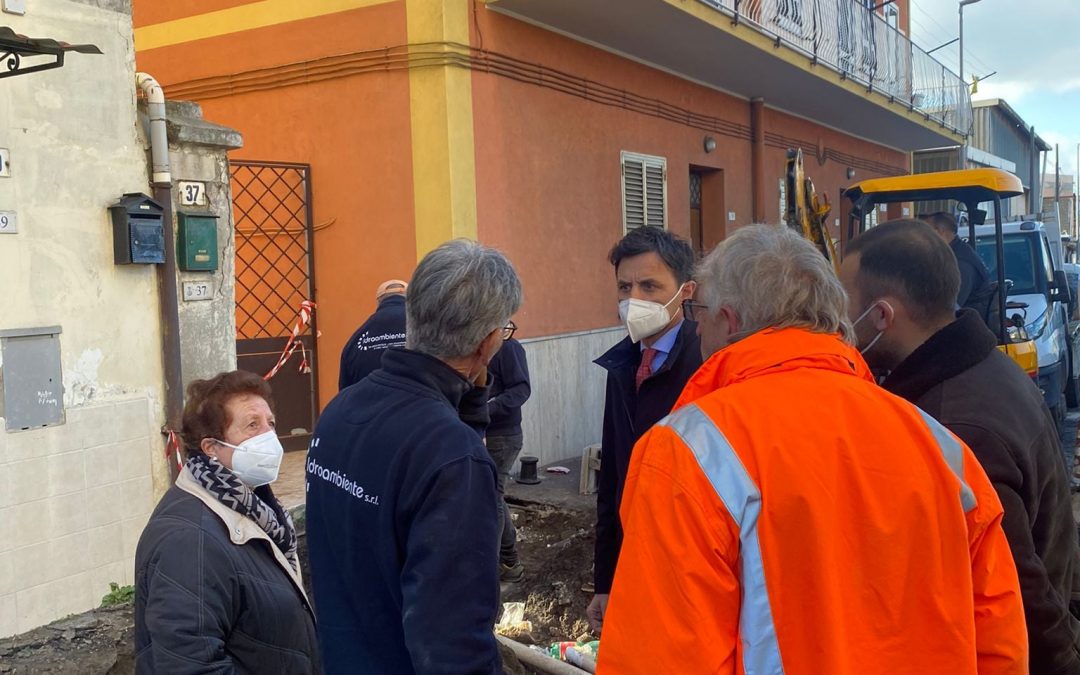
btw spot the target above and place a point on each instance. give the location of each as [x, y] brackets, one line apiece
[264, 509]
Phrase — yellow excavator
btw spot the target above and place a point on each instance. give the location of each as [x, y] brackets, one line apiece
[970, 187]
[805, 212]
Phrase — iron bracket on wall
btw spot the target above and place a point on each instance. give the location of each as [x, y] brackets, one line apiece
[14, 47]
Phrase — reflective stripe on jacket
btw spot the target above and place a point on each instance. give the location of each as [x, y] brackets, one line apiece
[792, 517]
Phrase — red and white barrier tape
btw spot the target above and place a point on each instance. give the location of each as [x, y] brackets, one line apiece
[307, 308]
[173, 448]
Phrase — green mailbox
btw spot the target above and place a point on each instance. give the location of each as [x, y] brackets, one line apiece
[197, 249]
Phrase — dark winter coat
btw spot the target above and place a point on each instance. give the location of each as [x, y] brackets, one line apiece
[363, 352]
[960, 378]
[402, 524]
[509, 379]
[975, 289]
[213, 594]
[628, 414]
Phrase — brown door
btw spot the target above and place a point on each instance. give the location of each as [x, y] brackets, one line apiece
[697, 233]
[274, 275]
[707, 215]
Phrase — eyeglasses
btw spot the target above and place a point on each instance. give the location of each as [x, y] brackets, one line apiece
[690, 309]
[508, 331]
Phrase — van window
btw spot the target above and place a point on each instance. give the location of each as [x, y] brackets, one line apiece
[1022, 262]
[1048, 261]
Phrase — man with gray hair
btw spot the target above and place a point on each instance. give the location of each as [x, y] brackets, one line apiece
[402, 497]
[790, 515]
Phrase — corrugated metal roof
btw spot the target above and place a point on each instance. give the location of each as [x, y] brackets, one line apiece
[1008, 110]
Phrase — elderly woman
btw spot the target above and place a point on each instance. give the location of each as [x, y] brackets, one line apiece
[217, 584]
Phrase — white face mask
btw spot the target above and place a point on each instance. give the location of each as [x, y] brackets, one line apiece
[257, 460]
[643, 318]
[877, 337]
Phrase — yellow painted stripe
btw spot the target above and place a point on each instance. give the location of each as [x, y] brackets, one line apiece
[441, 120]
[236, 19]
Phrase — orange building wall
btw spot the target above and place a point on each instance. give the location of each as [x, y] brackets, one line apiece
[354, 131]
[548, 168]
[905, 15]
[831, 176]
[548, 175]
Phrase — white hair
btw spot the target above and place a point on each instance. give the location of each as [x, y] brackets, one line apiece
[771, 277]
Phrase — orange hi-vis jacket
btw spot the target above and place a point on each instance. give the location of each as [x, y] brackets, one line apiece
[792, 517]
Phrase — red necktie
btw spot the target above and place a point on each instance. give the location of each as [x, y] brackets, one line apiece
[645, 369]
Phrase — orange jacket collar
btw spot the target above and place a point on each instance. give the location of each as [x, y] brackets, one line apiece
[773, 351]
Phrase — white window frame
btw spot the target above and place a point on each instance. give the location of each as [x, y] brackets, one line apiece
[892, 17]
[646, 162]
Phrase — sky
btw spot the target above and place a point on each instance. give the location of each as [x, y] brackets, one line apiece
[1034, 46]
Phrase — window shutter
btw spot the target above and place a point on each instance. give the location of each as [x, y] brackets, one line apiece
[633, 193]
[655, 184]
[644, 191]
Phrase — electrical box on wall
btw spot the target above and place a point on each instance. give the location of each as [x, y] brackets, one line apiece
[138, 231]
[197, 249]
[33, 390]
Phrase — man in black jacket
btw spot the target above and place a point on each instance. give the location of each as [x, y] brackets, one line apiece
[975, 290]
[646, 372]
[902, 285]
[402, 497]
[508, 376]
[382, 330]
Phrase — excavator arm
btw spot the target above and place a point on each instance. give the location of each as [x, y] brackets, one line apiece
[806, 213]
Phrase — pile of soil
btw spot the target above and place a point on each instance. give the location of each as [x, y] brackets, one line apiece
[556, 548]
[99, 641]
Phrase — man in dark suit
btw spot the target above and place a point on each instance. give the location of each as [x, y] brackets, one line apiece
[646, 372]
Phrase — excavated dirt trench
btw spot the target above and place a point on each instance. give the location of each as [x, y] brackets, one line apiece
[555, 546]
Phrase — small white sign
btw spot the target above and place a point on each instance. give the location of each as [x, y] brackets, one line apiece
[907, 212]
[884, 208]
[731, 216]
[9, 223]
[192, 193]
[836, 222]
[198, 290]
[15, 6]
[5, 163]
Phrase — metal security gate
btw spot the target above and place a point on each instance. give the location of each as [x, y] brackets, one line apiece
[274, 275]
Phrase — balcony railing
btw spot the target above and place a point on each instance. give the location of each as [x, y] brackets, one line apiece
[857, 43]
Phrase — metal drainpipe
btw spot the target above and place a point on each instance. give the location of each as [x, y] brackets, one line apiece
[757, 160]
[161, 180]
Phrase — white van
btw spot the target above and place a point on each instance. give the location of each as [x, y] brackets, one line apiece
[1034, 266]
